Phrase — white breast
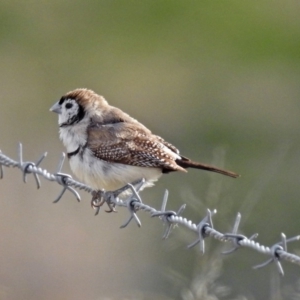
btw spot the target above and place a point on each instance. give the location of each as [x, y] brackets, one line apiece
[100, 174]
[73, 136]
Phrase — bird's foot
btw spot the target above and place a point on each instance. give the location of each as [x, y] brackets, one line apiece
[99, 198]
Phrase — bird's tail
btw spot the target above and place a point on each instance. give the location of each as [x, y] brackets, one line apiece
[187, 163]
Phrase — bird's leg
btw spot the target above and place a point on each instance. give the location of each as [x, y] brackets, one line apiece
[97, 199]
[108, 197]
[101, 196]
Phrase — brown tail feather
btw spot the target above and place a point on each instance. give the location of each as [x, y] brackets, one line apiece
[186, 163]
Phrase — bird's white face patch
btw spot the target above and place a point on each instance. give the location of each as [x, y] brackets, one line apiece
[70, 111]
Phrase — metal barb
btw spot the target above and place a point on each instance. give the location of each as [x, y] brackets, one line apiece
[181, 209]
[279, 267]
[166, 215]
[165, 200]
[23, 166]
[60, 195]
[135, 194]
[163, 207]
[278, 251]
[263, 264]
[237, 223]
[235, 237]
[293, 239]
[283, 241]
[139, 184]
[274, 252]
[36, 177]
[62, 179]
[1, 169]
[253, 236]
[27, 167]
[41, 159]
[61, 162]
[170, 225]
[131, 207]
[206, 222]
[134, 186]
[20, 154]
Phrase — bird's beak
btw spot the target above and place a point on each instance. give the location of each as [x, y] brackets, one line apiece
[56, 108]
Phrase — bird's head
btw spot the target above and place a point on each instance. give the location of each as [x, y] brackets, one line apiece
[78, 105]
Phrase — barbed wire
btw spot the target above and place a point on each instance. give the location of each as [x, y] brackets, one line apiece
[203, 229]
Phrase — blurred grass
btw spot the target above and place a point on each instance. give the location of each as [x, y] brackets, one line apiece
[219, 79]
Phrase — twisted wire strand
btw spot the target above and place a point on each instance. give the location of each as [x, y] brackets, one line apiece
[203, 229]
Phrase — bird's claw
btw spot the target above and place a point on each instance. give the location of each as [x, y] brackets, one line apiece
[111, 207]
[99, 198]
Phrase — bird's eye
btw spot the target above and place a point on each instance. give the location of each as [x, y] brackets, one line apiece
[69, 105]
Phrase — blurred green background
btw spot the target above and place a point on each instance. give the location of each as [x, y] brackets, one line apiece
[219, 79]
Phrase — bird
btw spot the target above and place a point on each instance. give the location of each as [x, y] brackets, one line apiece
[108, 149]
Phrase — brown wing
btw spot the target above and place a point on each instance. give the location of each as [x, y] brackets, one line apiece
[129, 144]
[170, 146]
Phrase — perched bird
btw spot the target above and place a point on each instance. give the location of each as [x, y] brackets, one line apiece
[108, 149]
